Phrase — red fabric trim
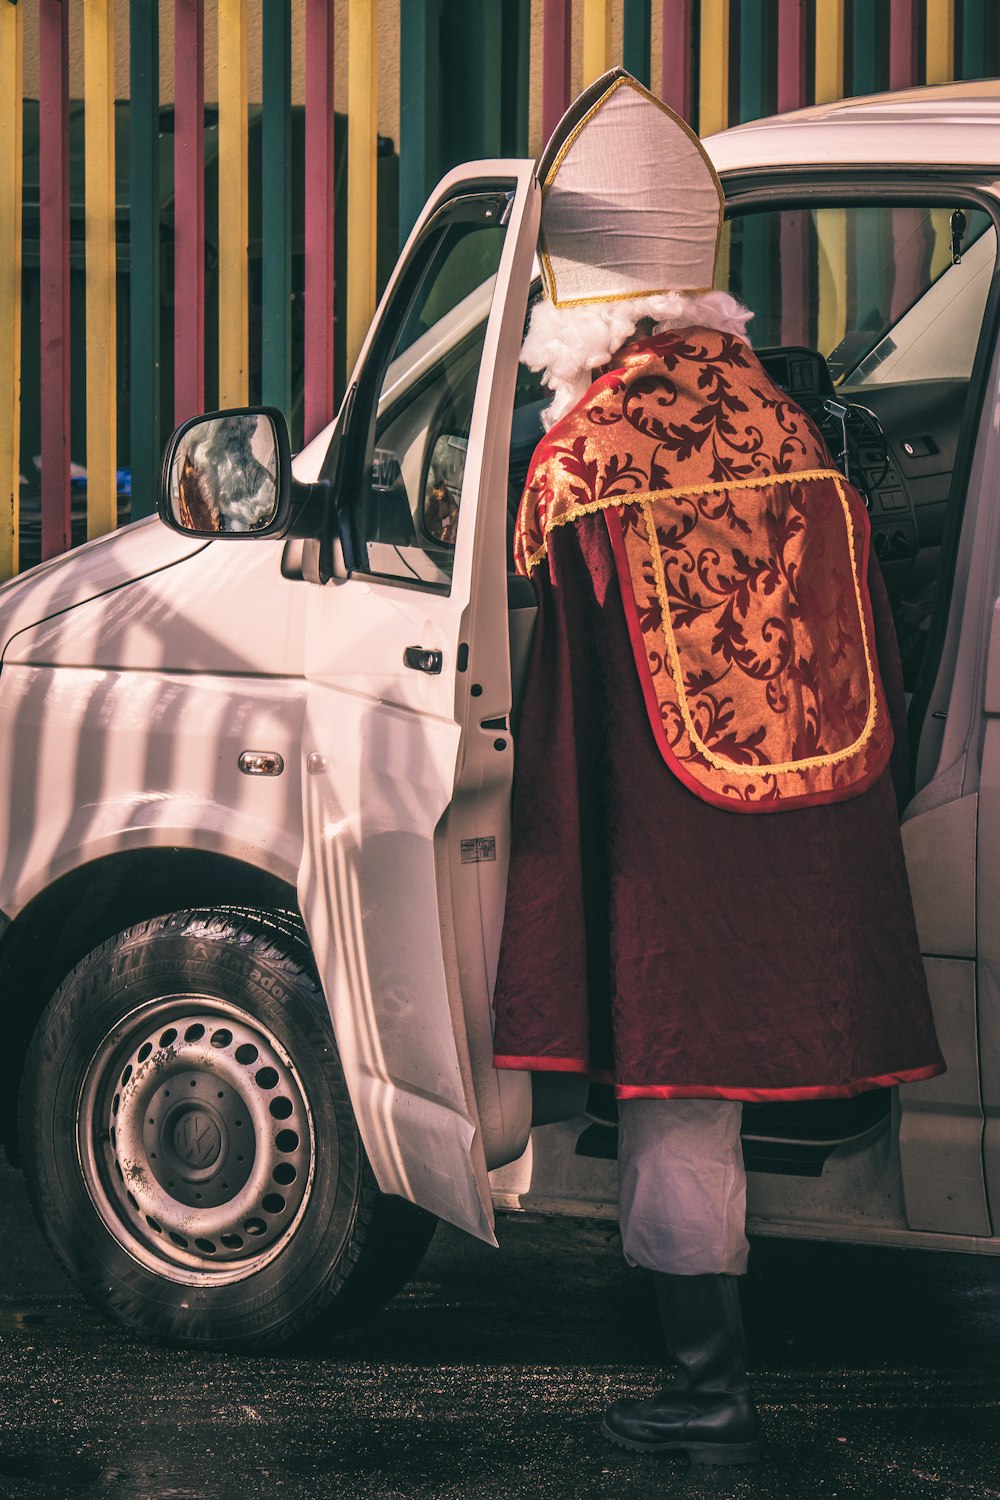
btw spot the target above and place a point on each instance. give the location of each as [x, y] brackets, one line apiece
[714, 1091]
[766, 1096]
[543, 1064]
[555, 1065]
[716, 799]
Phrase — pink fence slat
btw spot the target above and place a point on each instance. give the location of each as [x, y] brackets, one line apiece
[791, 54]
[677, 59]
[912, 244]
[557, 42]
[318, 342]
[902, 43]
[795, 298]
[53, 234]
[189, 209]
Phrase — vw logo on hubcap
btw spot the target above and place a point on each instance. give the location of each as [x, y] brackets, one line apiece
[197, 1139]
[190, 1143]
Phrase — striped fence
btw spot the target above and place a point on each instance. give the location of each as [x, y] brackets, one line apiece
[247, 319]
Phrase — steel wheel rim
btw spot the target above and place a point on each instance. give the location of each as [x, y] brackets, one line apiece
[195, 1139]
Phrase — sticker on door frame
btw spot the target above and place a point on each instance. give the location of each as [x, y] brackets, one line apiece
[478, 851]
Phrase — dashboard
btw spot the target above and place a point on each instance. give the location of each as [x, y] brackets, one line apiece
[896, 445]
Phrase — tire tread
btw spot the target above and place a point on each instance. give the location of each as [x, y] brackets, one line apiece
[387, 1237]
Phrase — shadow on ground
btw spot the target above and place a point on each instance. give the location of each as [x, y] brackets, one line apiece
[878, 1374]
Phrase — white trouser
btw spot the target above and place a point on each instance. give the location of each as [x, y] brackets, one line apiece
[682, 1185]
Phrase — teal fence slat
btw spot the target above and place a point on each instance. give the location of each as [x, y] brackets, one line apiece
[276, 215]
[514, 77]
[865, 48]
[419, 106]
[759, 258]
[635, 38]
[144, 237]
[756, 59]
[869, 237]
[489, 66]
[975, 60]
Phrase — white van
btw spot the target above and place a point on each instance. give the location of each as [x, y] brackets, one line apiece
[256, 768]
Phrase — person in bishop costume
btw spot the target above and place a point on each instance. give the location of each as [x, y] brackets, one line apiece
[707, 899]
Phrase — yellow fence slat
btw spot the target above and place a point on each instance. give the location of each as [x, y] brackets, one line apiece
[832, 223]
[723, 258]
[234, 331]
[11, 145]
[99, 161]
[713, 67]
[940, 41]
[832, 278]
[361, 170]
[941, 254]
[596, 39]
[829, 51]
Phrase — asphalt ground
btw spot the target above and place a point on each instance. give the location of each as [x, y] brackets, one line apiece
[877, 1372]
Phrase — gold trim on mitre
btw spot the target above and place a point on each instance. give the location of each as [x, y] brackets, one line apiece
[577, 118]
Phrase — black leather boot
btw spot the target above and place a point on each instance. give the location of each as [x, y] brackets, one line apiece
[708, 1411]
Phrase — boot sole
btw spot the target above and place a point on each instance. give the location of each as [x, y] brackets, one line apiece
[699, 1453]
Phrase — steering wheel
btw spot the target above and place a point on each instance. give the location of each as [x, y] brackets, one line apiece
[869, 465]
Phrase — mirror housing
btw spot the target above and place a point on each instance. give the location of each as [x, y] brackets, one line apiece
[228, 474]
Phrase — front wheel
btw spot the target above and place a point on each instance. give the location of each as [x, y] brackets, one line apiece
[189, 1141]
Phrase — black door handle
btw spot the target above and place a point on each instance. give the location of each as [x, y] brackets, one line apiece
[422, 660]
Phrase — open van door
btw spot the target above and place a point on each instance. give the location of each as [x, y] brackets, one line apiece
[407, 756]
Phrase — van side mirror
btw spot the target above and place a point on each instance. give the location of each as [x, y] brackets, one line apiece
[228, 474]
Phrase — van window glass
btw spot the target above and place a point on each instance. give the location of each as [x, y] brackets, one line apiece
[885, 292]
[870, 315]
[409, 509]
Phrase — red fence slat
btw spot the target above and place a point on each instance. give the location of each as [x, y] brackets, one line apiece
[557, 37]
[902, 43]
[677, 48]
[189, 209]
[53, 233]
[795, 287]
[791, 25]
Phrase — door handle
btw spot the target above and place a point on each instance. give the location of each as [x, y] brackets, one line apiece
[422, 660]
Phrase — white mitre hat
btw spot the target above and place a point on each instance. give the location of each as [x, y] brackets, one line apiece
[631, 206]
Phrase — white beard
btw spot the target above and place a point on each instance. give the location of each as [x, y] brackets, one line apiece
[567, 344]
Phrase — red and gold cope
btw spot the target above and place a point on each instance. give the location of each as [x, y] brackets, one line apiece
[742, 558]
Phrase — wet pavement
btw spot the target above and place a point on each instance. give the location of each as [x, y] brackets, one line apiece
[878, 1374]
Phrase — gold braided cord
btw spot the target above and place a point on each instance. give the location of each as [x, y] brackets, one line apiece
[640, 497]
[663, 291]
[644, 501]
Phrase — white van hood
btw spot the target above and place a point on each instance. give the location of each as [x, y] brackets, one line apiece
[98, 567]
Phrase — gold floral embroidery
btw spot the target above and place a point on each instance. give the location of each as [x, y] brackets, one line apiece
[806, 763]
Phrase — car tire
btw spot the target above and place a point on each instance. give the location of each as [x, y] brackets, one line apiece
[189, 1142]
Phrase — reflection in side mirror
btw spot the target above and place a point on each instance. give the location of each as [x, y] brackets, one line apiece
[443, 488]
[226, 473]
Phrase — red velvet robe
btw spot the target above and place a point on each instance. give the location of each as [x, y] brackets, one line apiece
[653, 936]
